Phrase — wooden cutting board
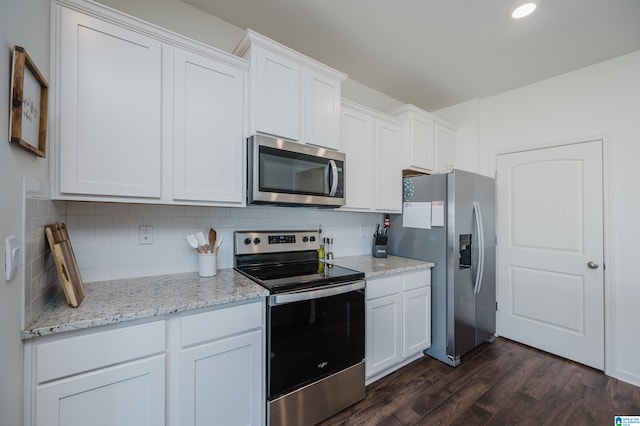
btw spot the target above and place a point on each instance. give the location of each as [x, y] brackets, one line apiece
[66, 264]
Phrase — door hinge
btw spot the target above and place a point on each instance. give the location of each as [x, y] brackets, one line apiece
[496, 306]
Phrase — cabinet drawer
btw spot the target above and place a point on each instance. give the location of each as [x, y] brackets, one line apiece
[383, 286]
[417, 279]
[214, 324]
[73, 355]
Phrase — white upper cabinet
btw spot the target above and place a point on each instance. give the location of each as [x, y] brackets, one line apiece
[144, 115]
[428, 146]
[322, 110]
[388, 166]
[207, 129]
[276, 99]
[291, 96]
[444, 148]
[110, 93]
[373, 143]
[357, 144]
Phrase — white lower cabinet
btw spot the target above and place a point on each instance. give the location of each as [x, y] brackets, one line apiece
[203, 368]
[221, 367]
[127, 394]
[384, 323]
[398, 318]
[103, 378]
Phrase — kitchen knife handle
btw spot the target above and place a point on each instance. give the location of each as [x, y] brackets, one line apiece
[480, 233]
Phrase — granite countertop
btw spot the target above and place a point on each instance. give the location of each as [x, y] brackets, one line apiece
[376, 266]
[109, 302]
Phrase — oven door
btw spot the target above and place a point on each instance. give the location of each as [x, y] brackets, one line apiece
[288, 173]
[313, 334]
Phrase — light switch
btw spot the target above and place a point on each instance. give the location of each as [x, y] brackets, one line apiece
[11, 261]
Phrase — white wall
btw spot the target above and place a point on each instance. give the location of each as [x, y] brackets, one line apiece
[23, 23]
[602, 100]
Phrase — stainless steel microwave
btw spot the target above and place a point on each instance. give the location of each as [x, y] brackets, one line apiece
[287, 173]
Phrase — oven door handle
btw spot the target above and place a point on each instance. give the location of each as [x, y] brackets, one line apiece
[281, 299]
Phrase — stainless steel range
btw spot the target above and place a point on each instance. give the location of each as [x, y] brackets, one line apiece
[315, 325]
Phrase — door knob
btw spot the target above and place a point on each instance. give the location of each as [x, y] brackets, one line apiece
[592, 265]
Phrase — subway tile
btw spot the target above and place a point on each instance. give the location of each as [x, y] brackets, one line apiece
[85, 262]
[183, 222]
[126, 271]
[157, 269]
[89, 222]
[207, 222]
[221, 211]
[94, 248]
[196, 211]
[77, 235]
[94, 275]
[145, 210]
[127, 221]
[171, 210]
[81, 209]
[110, 260]
[112, 209]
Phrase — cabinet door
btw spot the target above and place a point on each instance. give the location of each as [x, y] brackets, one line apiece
[129, 394]
[444, 149]
[388, 167]
[357, 144]
[110, 111]
[221, 382]
[322, 110]
[277, 95]
[383, 334]
[416, 327]
[422, 143]
[208, 130]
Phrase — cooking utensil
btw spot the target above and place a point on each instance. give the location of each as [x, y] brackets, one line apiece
[212, 238]
[202, 241]
[193, 242]
[65, 261]
[218, 245]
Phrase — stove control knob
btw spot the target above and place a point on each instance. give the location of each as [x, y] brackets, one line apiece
[256, 241]
[305, 239]
[312, 238]
[247, 241]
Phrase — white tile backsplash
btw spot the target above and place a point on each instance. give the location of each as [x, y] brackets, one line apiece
[105, 238]
[40, 275]
[106, 245]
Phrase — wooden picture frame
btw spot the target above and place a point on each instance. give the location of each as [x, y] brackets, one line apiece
[29, 105]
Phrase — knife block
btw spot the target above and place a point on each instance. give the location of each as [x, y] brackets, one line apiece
[379, 246]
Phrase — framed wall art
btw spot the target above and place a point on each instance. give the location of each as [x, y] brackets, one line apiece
[29, 105]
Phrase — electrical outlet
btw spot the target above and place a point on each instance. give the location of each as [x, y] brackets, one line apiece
[146, 234]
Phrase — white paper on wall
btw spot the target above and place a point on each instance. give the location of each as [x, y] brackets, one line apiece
[416, 215]
[437, 213]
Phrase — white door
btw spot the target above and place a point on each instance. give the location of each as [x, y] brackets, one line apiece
[550, 250]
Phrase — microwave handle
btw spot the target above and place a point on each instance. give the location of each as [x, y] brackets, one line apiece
[334, 178]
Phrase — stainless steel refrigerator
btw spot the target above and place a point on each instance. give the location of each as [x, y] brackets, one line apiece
[449, 219]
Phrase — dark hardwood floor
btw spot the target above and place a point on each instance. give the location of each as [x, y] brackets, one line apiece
[496, 384]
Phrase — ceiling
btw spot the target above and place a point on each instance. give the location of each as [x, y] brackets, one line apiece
[437, 53]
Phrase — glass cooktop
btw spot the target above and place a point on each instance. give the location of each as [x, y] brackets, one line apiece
[283, 277]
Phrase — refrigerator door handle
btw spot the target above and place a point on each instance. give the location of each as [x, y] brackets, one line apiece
[480, 233]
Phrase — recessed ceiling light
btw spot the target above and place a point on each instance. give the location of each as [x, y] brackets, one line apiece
[523, 10]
